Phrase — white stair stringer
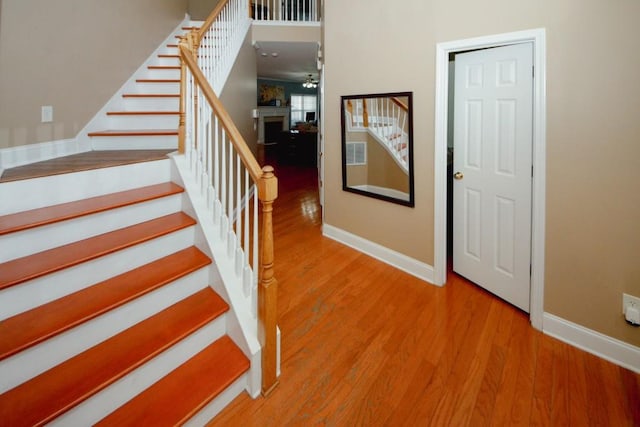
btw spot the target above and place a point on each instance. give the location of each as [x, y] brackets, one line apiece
[242, 324]
[397, 155]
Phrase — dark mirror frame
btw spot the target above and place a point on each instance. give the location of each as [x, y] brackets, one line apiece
[343, 111]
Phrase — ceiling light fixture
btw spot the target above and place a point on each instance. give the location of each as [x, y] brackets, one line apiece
[309, 83]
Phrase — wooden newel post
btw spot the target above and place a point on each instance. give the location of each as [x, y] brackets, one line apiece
[365, 114]
[268, 287]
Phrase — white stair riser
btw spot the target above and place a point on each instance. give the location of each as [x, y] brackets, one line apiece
[149, 104]
[156, 87]
[221, 401]
[166, 61]
[41, 290]
[39, 239]
[160, 73]
[52, 190]
[123, 390]
[162, 142]
[143, 121]
[39, 358]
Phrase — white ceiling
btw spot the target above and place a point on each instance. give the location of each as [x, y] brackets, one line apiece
[289, 61]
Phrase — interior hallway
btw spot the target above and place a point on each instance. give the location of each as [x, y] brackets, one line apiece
[364, 344]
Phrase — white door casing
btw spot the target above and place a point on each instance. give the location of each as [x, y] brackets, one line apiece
[493, 159]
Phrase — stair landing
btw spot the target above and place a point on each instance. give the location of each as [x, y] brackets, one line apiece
[80, 162]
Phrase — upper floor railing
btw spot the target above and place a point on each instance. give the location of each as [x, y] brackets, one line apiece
[239, 193]
[285, 10]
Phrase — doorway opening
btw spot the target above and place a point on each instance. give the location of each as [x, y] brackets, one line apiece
[443, 52]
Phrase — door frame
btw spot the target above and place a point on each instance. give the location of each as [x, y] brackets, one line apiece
[538, 38]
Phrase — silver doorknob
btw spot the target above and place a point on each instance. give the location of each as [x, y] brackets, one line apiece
[458, 175]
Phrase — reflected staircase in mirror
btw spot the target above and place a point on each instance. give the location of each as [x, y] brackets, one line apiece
[386, 121]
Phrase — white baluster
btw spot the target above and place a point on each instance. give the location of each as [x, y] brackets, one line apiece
[230, 238]
[246, 279]
[216, 170]
[223, 187]
[255, 252]
[239, 217]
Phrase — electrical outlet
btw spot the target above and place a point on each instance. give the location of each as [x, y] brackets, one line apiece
[47, 113]
[629, 300]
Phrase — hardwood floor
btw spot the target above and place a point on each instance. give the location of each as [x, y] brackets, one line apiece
[364, 344]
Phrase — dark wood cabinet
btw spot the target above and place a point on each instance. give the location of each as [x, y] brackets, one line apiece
[298, 147]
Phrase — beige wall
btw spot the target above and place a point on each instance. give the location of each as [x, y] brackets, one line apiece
[593, 111]
[278, 33]
[199, 10]
[72, 55]
[383, 170]
[240, 93]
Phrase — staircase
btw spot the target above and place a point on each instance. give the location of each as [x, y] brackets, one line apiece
[108, 313]
[144, 113]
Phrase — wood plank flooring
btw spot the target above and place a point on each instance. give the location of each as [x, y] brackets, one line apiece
[364, 344]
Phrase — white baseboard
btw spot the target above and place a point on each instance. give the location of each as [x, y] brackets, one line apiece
[25, 154]
[396, 259]
[611, 349]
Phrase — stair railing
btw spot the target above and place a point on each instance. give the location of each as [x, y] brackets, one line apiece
[219, 39]
[303, 11]
[229, 176]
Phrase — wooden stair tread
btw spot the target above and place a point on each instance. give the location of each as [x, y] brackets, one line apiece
[168, 55]
[52, 214]
[151, 95]
[206, 375]
[163, 67]
[34, 326]
[142, 113]
[136, 132]
[26, 268]
[55, 391]
[157, 80]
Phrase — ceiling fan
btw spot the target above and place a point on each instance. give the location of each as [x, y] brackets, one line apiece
[309, 83]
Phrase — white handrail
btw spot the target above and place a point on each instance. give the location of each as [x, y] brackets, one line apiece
[286, 10]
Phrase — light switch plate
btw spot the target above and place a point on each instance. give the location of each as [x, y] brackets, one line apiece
[47, 113]
[629, 300]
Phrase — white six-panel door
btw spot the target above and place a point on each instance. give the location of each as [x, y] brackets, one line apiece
[492, 170]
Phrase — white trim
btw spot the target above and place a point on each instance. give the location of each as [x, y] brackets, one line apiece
[611, 349]
[538, 38]
[26, 154]
[396, 259]
[389, 192]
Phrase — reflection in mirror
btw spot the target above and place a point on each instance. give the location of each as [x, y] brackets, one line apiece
[377, 146]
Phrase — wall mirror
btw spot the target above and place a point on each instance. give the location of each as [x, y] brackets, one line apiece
[377, 146]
